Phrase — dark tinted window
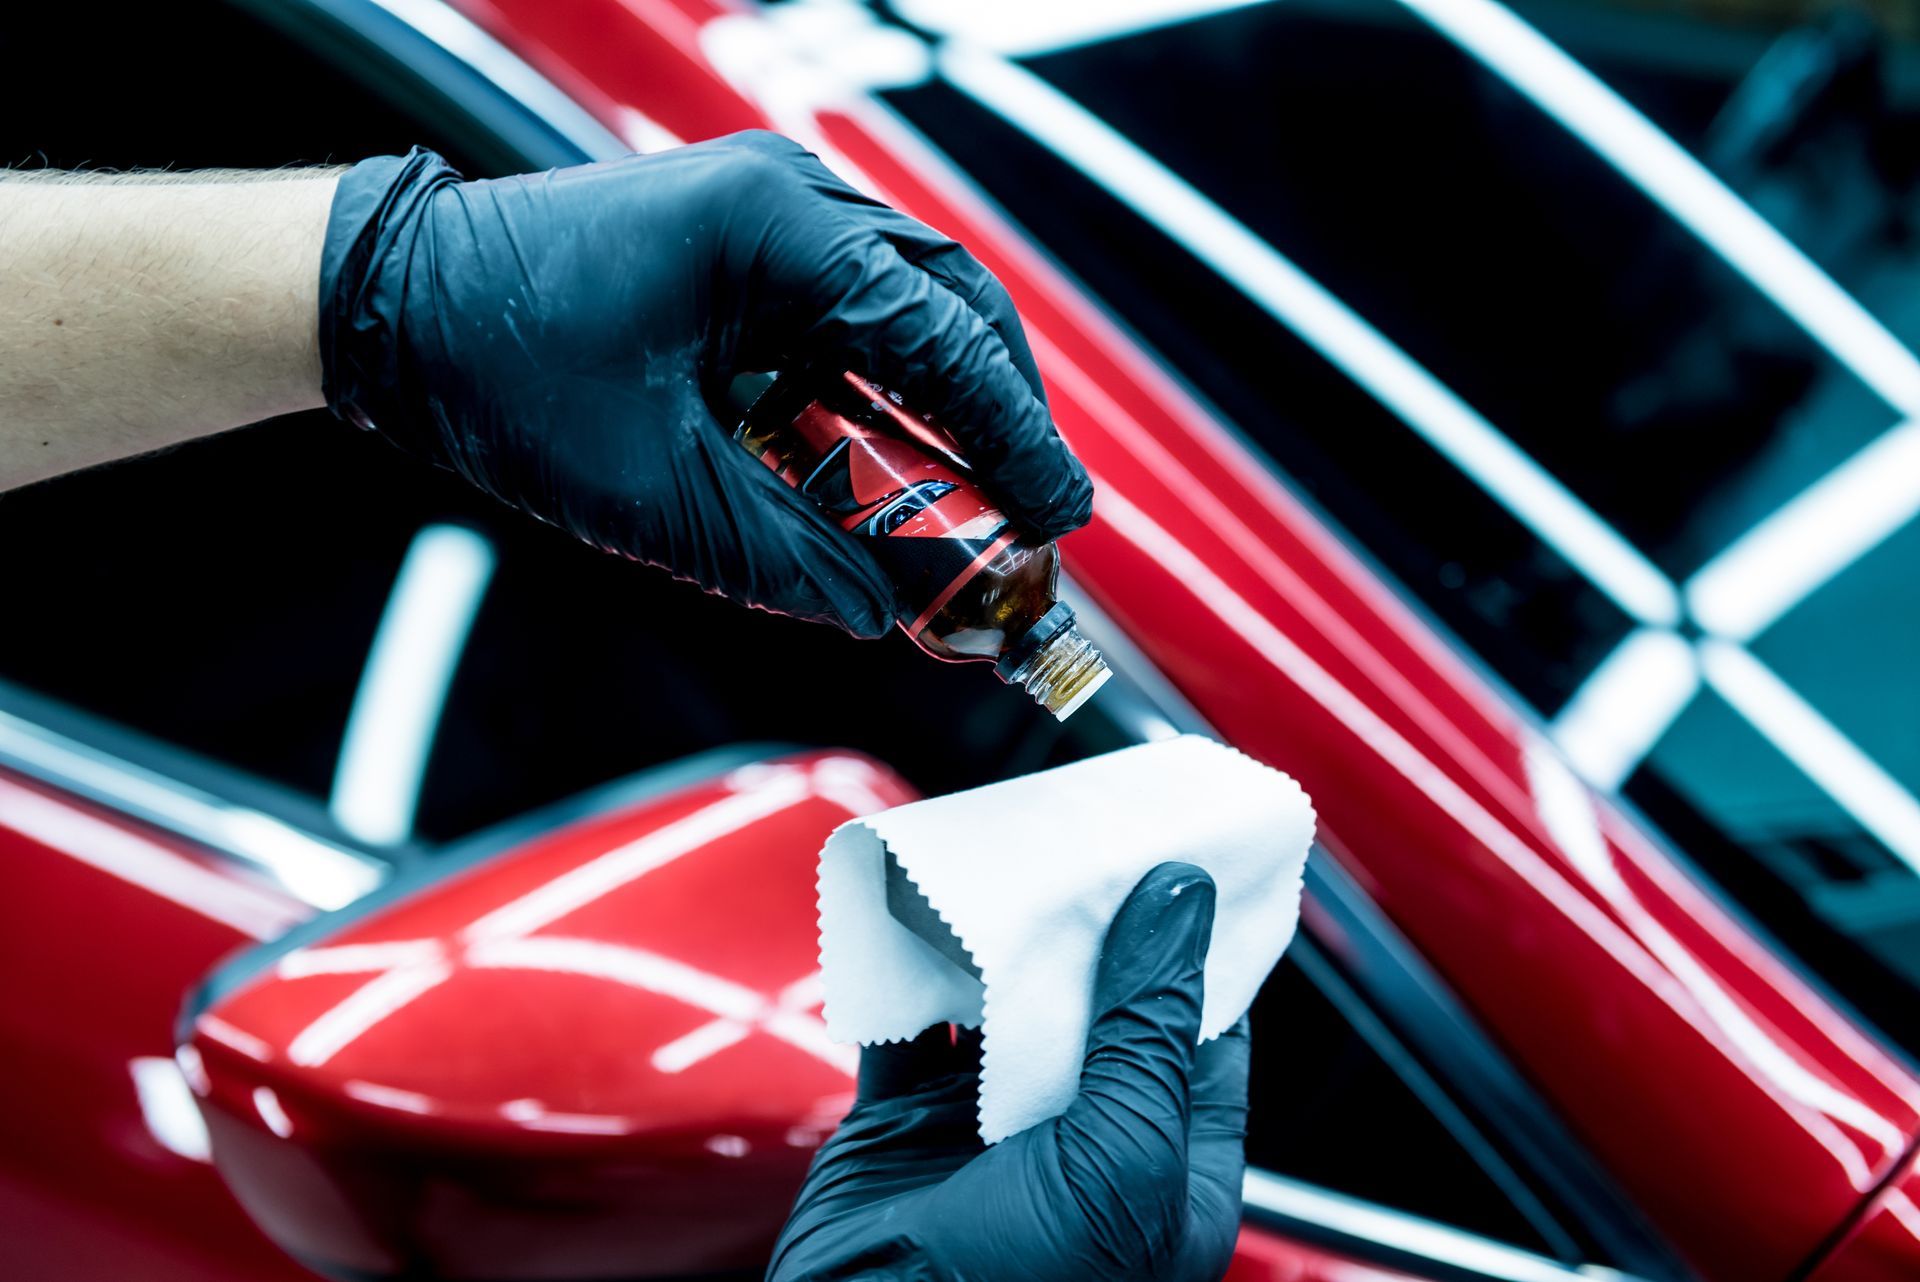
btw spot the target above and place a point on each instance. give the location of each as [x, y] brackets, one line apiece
[1337, 1101]
[220, 596]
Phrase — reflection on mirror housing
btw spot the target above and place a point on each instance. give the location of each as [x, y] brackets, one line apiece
[592, 1053]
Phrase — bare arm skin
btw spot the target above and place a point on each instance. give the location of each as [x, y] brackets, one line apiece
[137, 312]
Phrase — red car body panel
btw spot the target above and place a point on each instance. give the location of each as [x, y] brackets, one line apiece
[1880, 1247]
[1265, 1257]
[1748, 1117]
[414, 1048]
[103, 927]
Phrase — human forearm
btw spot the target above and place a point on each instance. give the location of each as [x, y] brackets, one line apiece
[139, 312]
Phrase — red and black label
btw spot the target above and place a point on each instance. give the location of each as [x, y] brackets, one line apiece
[889, 477]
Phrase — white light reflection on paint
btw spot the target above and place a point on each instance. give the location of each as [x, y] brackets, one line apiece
[1693, 899]
[622, 964]
[1632, 953]
[1567, 808]
[795, 61]
[1277, 649]
[167, 1107]
[215, 1029]
[352, 959]
[111, 849]
[739, 1007]
[606, 873]
[1388, 677]
[1905, 1213]
[390, 1097]
[360, 1011]
[789, 1017]
[503, 938]
[193, 1069]
[703, 1043]
[267, 1105]
[536, 1116]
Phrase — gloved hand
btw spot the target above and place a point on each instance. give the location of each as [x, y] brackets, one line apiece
[557, 339]
[1139, 1178]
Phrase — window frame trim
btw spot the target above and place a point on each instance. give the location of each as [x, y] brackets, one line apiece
[270, 831]
[1381, 1234]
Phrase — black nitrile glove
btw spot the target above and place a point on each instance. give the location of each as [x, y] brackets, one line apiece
[1139, 1178]
[558, 338]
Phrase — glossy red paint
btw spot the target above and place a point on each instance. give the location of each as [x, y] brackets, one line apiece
[619, 1018]
[1881, 1246]
[102, 927]
[1739, 1108]
[1266, 1257]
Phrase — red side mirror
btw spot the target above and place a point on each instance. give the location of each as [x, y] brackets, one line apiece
[593, 1053]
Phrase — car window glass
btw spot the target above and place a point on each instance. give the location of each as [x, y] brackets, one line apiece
[1330, 1108]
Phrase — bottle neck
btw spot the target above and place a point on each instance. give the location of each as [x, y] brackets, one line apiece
[1063, 673]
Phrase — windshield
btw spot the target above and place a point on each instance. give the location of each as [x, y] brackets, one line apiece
[1651, 457]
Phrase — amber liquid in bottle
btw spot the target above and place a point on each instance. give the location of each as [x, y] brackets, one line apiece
[970, 589]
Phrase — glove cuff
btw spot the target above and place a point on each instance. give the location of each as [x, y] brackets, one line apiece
[376, 214]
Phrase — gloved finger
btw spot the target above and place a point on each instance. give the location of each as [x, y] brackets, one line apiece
[950, 263]
[763, 544]
[892, 1069]
[1217, 1134]
[884, 318]
[935, 253]
[1123, 1140]
[1220, 1077]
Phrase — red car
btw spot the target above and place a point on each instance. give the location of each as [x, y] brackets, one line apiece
[396, 889]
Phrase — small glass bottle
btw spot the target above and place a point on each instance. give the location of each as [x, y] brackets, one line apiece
[970, 589]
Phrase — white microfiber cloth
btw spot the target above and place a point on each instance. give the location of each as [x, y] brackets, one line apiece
[1028, 874]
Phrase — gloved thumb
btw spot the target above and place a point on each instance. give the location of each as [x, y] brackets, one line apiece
[1123, 1141]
